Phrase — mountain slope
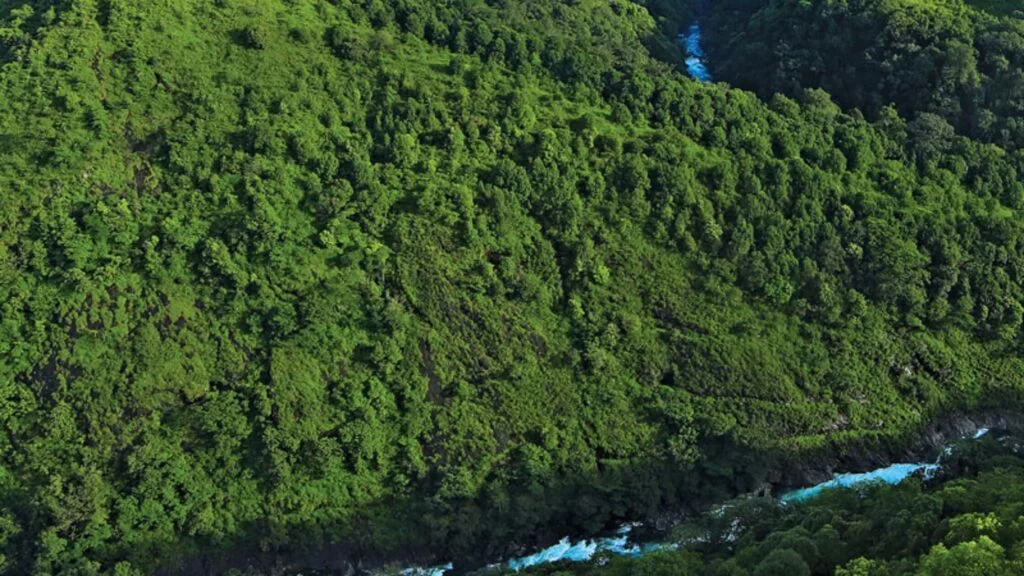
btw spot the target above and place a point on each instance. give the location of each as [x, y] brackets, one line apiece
[955, 62]
[437, 279]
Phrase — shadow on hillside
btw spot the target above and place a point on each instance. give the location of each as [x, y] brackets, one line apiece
[419, 530]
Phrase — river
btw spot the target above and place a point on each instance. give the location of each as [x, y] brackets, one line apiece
[696, 64]
[620, 544]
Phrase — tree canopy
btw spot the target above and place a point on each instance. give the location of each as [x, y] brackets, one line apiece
[438, 279]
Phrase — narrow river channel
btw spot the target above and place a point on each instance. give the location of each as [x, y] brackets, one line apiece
[620, 544]
[696, 64]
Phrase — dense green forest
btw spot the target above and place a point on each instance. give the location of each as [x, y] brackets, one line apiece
[432, 279]
[943, 64]
[966, 523]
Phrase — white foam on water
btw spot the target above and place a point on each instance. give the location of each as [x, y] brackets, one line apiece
[564, 550]
[620, 545]
[893, 474]
[432, 571]
[695, 64]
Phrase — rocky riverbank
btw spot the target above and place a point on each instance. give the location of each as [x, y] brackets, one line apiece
[924, 445]
[780, 473]
[923, 457]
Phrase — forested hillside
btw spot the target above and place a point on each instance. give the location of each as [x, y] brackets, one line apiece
[944, 64]
[437, 279]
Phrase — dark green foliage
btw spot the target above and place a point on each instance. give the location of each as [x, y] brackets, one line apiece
[955, 526]
[929, 58]
[782, 562]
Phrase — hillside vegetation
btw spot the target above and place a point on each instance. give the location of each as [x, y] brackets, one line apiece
[441, 279]
[944, 64]
[967, 523]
